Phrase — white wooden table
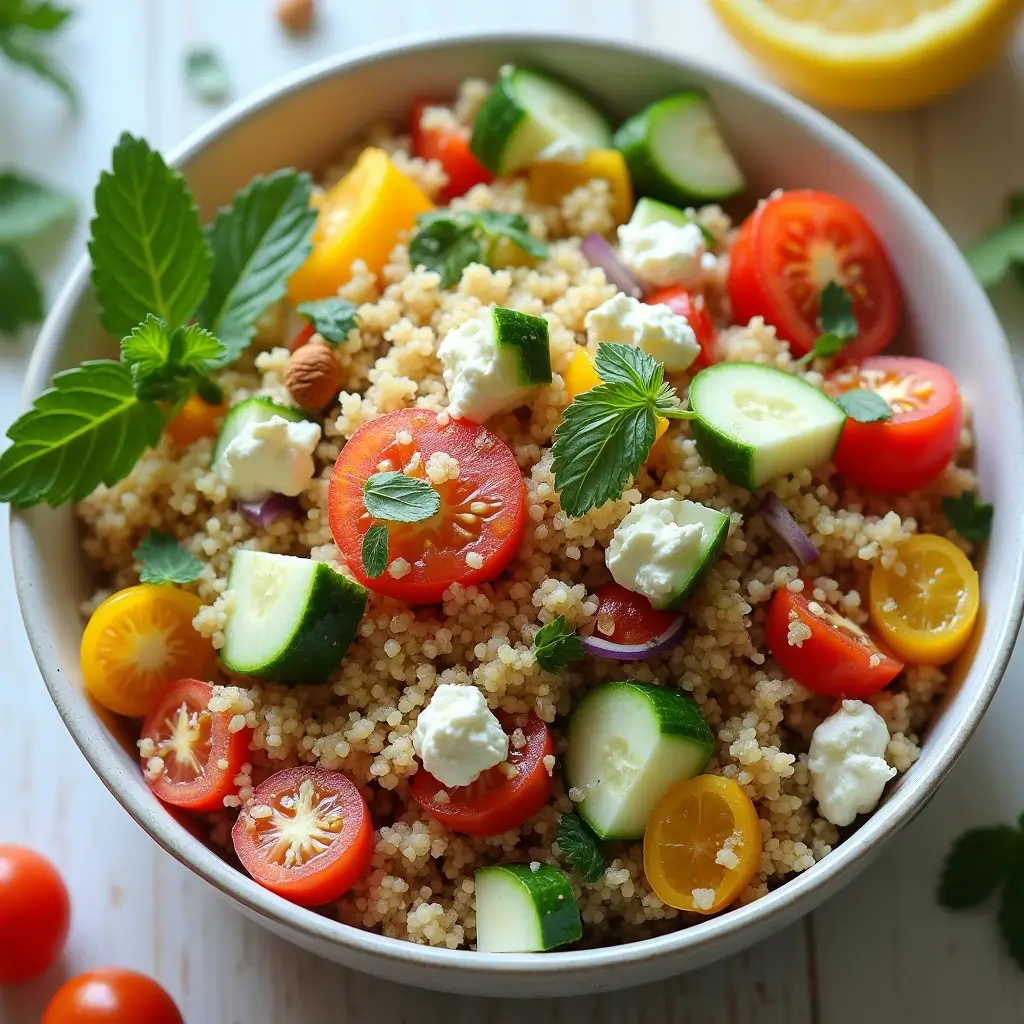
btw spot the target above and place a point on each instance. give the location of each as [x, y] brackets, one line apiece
[882, 951]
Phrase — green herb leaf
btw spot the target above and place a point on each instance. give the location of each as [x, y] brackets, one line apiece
[992, 256]
[88, 428]
[29, 207]
[21, 296]
[164, 560]
[581, 848]
[556, 644]
[627, 364]
[206, 75]
[1011, 911]
[977, 865]
[836, 312]
[514, 227]
[38, 17]
[258, 243]
[20, 26]
[864, 406]
[825, 347]
[332, 319]
[168, 367]
[375, 551]
[969, 516]
[148, 252]
[397, 498]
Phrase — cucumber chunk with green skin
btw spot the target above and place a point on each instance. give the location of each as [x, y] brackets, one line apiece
[627, 744]
[675, 152]
[520, 910]
[252, 410]
[292, 619]
[651, 211]
[754, 423]
[525, 112]
[527, 336]
[715, 525]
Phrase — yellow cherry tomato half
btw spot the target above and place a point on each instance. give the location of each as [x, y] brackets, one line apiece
[360, 219]
[581, 376]
[926, 613]
[194, 420]
[702, 844]
[138, 642]
[549, 181]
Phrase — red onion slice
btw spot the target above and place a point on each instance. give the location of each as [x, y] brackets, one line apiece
[781, 520]
[263, 513]
[635, 652]
[602, 255]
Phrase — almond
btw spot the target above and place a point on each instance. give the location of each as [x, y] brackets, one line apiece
[295, 15]
[313, 377]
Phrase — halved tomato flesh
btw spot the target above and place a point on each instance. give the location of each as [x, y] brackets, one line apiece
[632, 617]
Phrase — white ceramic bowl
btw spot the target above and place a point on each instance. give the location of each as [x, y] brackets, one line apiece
[303, 121]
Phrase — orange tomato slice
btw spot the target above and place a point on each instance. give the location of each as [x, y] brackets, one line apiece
[194, 420]
[702, 844]
[360, 218]
[138, 642]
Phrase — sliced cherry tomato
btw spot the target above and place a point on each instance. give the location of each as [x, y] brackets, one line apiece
[494, 803]
[634, 619]
[112, 996]
[838, 659]
[790, 248]
[306, 835]
[910, 450]
[138, 642]
[200, 754]
[194, 420]
[303, 335]
[35, 914]
[451, 150]
[482, 514]
[702, 844]
[695, 309]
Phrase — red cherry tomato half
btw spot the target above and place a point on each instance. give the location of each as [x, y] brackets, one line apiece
[35, 914]
[482, 514]
[306, 835]
[695, 309]
[494, 803]
[636, 622]
[112, 996]
[838, 659]
[200, 755]
[304, 334]
[790, 248]
[910, 450]
[451, 150]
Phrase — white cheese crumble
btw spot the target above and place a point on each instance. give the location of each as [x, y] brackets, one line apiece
[662, 334]
[482, 377]
[457, 737]
[654, 549]
[847, 762]
[703, 899]
[271, 457]
[663, 253]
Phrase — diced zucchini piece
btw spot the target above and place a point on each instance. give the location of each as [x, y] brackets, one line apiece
[627, 743]
[252, 410]
[522, 910]
[651, 211]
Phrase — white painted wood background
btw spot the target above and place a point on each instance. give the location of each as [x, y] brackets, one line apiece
[880, 952]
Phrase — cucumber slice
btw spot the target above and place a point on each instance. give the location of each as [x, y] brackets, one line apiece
[675, 152]
[292, 620]
[650, 211]
[519, 910]
[627, 744]
[252, 410]
[525, 112]
[755, 422]
[527, 337]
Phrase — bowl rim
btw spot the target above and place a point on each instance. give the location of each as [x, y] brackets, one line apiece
[799, 894]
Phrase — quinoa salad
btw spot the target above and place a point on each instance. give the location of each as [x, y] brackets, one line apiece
[498, 545]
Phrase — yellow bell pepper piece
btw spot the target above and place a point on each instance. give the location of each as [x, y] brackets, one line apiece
[360, 218]
[549, 180]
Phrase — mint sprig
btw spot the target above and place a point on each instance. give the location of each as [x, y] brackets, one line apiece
[556, 645]
[332, 318]
[837, 322]
[1001, 249]
[581, 848]
[969, 516]
[397, 498]
[23, 26]
[164, 561]
[168, 366]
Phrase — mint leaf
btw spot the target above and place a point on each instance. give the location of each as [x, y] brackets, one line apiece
[206, 75]
[627, 364]
[29, 206]
[88, 428]
[168, 367]
[21, 24]
[514, 227]
[397, 498]
[581, 848]
[38, 17]
[332, 319]
[146, 349]
[148, 252]
[977, 865]
[1011, 911]
[864, 406]
[992, 256]
[164, 560]
[825, 347]
[969, 516]
[258, 243]
[375, 551]
[21, 296]
[556, 644]
[836, 312]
